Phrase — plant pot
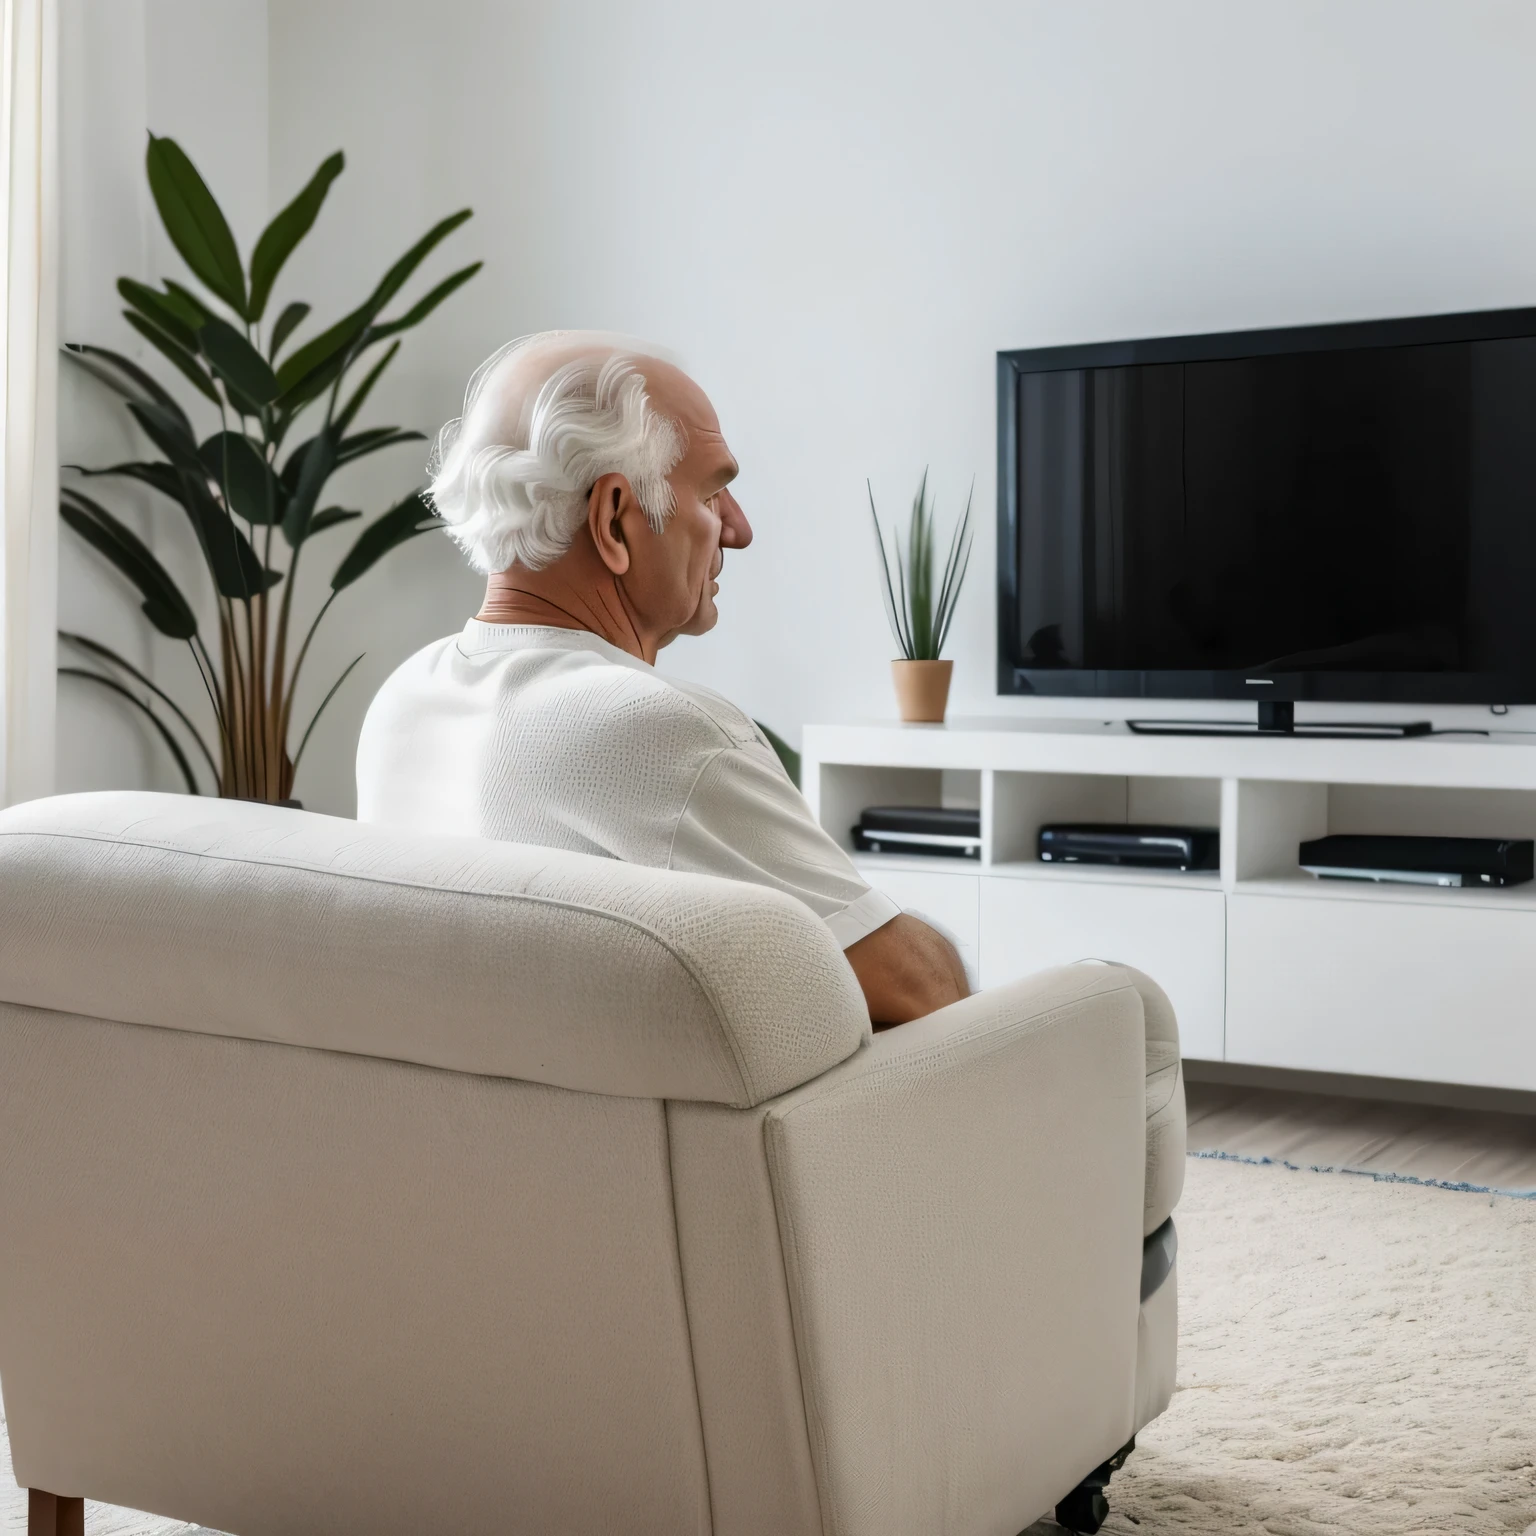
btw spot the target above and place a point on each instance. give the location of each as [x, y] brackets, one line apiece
[922, 689]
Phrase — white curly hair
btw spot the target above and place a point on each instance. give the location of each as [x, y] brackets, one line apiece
[544, 418]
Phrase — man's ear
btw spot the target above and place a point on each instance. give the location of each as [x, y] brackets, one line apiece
[611, 498]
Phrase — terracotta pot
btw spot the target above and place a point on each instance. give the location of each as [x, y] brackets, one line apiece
[922, 689]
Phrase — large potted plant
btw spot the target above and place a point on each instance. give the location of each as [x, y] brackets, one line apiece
[252, 499]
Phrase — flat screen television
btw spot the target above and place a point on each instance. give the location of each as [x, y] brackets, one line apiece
[1338, 512]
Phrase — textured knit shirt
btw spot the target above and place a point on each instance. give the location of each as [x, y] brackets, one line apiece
[553, 736]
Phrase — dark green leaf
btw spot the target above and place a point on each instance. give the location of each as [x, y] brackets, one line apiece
[360, 444]
[275, 429]
[315, 467]
[328, 517]
[154, 719]
[161, 476]
[164, 605]
[296, 375]
[348, 413]
[159, 311]
[894, 610]
[286, 323]
[188, 305]
[238, 363]
[172, 349]
[194, 222]
[954, 570]
[322, 354]
[295, 466]
[242, 404]
[236, 463]
[312, 386]
[280, 237]
[112, 658]
[399, 274]
[115, 363]
[231, 561]
[162, 617]
[236, 571]
[424, 306]
[166, 433]
[402, 522]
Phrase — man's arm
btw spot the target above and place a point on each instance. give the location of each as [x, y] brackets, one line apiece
[746, 821]
[907, 970]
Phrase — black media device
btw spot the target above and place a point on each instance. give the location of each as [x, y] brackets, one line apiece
[919, 829]
[1453, 861]
[1146, 847]
[1336, 512]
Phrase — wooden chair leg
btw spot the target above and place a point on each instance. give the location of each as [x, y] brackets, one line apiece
[42, 1513]
[49, 1515]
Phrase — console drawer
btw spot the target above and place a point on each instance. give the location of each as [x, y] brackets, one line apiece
[1444, 992]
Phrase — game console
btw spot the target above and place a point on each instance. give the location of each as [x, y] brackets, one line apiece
[1487, 862]
[1140, 846]
[947, 831]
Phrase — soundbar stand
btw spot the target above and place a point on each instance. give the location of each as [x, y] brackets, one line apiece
[1277, 717]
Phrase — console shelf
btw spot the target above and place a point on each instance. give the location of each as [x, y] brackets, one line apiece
[1106, 874]
[873, 864]
[1517, 898]
[1265, 964]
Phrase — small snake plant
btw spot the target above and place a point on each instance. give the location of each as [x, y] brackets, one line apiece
[919, 615]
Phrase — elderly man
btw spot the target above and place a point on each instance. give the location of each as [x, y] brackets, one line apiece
[590, 482]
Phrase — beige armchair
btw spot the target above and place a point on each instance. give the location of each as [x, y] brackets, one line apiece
[362, 1183]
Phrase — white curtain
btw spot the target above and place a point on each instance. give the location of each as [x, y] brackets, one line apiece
[28, 395]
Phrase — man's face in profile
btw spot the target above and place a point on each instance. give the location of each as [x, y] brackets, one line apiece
[681, 569]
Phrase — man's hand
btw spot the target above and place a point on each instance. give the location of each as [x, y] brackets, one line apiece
[906, 970]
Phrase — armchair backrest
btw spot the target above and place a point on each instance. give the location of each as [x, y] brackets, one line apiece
[247, 920]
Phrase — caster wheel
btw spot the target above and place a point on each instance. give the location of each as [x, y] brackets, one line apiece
[1083, 1510]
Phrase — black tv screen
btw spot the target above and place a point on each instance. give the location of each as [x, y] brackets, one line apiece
[1336, 512]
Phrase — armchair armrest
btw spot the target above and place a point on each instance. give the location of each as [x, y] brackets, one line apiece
[960, 1209]
[1166, 1126]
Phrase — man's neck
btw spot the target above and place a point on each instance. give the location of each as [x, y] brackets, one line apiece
[561, 599]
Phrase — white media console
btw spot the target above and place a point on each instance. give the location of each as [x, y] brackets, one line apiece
[1266, 965]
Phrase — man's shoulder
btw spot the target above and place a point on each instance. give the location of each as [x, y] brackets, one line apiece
[733, 725]
[584, 693]
[567, 698]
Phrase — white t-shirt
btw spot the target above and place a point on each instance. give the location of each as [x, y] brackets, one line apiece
[553, 736]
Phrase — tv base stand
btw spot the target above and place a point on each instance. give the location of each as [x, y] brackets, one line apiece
[1277, 717]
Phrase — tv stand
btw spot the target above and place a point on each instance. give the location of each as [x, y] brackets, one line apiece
[1266, 966]
[1277, 717]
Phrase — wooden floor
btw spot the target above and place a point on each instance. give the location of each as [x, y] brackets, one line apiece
[1485, 1148]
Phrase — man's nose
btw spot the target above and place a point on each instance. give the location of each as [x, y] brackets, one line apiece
[735, 530]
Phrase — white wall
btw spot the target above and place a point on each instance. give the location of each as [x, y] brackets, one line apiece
[102, 234]
[197, 72]
[839, 212]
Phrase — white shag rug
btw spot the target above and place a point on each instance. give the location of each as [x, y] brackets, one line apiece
[1357, 1358]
